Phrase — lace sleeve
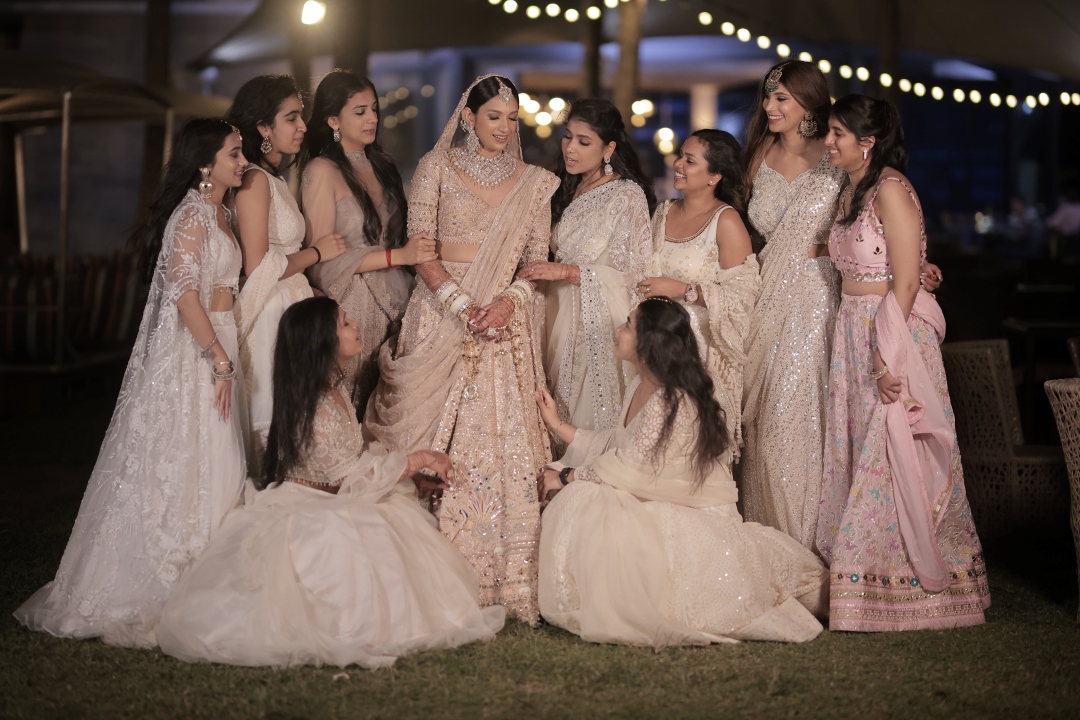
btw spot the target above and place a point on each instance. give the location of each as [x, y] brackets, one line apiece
[424, 196]
[631, 241]
[185, 243]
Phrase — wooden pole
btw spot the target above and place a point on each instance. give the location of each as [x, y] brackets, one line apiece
[592, 38]
[61, 252]
[626, 77]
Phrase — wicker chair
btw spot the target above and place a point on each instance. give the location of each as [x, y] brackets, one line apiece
[1009, 484]
[1074, 353]
[1065, 399]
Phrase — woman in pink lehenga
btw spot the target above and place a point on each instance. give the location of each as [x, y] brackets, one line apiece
[894, 525]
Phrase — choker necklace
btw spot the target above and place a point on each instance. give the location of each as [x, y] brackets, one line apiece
[486, 172]
[358, 157]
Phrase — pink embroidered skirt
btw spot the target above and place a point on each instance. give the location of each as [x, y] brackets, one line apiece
[872, 584]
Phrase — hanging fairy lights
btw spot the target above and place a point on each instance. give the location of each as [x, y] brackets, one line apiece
[593, 11]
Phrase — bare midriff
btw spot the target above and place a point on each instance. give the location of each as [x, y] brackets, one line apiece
[819, 250]
[854, 287]
[456, 252]
[221, 299]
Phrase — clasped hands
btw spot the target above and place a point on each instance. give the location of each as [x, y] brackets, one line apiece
[437, 462]
[489, 322]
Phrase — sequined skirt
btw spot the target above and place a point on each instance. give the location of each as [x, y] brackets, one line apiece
[873, 585]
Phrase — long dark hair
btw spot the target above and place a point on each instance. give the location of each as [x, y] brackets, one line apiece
[605, 120]
[806, 83]
[667, 347]
[724, 156]
[305, 357]
[866, 117]
[198, 144]
[258, 101]
[331, 97]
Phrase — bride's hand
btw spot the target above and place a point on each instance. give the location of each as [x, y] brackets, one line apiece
[438, 462]
[418, 250]
[495, 316]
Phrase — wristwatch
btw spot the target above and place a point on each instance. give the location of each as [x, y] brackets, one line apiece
[690, 296]
[564, 475]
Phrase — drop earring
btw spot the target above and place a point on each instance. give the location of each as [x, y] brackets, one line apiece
[865, 153]
[266, 147]
[808, 126]
[472, 142]
[206, 188]
[607, 166]
[337, 136]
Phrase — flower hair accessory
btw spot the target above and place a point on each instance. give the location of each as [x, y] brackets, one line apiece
[772, 82]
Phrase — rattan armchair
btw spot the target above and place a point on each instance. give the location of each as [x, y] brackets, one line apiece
[1009, 484]
[1065, 399]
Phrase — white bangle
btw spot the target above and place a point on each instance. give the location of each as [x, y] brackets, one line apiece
[446, 290]
[459, 302]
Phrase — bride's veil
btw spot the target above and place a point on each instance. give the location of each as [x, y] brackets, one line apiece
[452, 134]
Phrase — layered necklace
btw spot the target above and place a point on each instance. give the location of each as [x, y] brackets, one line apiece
[484, 171]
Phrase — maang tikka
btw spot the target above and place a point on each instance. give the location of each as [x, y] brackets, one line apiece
[505, 93]
[772, 82]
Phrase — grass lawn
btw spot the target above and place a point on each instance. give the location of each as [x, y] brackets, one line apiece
[1024, 663]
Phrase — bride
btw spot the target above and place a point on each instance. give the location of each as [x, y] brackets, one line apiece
[461, 376]
[172, 463]
[645, 546]
[336, 563]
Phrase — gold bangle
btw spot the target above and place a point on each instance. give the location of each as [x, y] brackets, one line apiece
[878, 374]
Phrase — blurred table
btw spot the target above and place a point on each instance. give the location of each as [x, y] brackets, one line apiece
[1030, 333]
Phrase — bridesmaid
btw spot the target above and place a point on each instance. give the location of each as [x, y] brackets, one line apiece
[909, 558]
[793, 201]
[268, 111]
[702, 257]
[602, 248]
[172, 463]
[351, 187]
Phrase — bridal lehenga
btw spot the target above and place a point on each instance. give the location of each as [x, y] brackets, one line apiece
[442, 389]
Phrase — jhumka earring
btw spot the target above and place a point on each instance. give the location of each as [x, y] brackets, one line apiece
[266, 147]
[471, 141]
[607, 166]
[206, 188]
[337, 136]
[808, 126]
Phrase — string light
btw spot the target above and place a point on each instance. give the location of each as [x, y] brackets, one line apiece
[593, 12]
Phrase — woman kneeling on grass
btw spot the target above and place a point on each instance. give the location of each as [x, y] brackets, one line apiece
[642, 542]
[335, 562]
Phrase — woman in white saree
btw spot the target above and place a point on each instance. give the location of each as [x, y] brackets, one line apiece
[334, 563]
[641, 545]
[172, 462]
[601, 240]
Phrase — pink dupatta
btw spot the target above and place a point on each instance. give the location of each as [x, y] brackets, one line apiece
[919, 438]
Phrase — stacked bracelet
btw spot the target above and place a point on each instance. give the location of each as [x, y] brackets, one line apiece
[446, 290]
[878, 374]
[227, 374]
